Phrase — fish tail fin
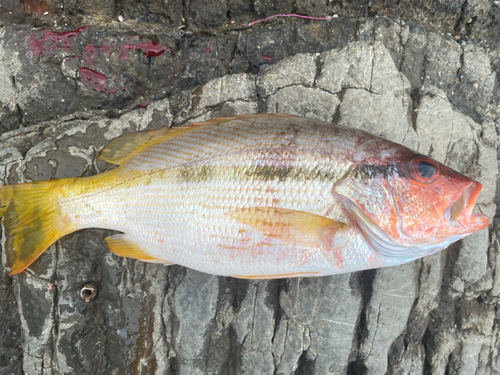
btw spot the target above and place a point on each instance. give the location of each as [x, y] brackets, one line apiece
[31, 221]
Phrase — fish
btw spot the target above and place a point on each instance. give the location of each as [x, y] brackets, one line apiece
[259, 196]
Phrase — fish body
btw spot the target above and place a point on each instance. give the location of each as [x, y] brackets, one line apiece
[256, 196]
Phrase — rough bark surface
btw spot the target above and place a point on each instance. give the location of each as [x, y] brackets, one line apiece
[422, 73]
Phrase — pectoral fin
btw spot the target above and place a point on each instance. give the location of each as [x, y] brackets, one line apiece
[297, 227]
[123, 246]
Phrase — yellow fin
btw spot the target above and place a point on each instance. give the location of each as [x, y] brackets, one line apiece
[298, 227]
[123, 246]
[31, 220]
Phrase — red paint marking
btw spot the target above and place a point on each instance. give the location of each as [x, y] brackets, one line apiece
[51, 42]
[150, 48]
[267, 58]
[145, 104]
[90, 53]
[95, 80]
[207, 50]
[91, 50]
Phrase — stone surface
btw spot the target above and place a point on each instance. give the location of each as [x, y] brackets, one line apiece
[373, 67]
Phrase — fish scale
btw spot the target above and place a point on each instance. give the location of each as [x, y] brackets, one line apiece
[257, 196]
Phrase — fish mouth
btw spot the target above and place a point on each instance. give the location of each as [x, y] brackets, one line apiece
[459, 213]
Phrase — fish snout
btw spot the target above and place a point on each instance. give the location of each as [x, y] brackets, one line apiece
[460, 211]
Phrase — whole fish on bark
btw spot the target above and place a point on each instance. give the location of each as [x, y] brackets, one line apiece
[255, 196]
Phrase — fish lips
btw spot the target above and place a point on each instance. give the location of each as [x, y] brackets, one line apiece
[459, 214]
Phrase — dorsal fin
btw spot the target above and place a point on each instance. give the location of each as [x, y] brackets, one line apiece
[123, 148]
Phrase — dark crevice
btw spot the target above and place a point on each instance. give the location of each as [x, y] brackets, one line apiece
[459, 74]
[175, 277]
[416, 96]
[239, 289]
[337, 115]
[261, 103]
[447, 369]
[233, 353]
[278, 311]
[319, 67]
[427, 343]
[366, 285]
[306, 366]
[236, 290]
[462, 23]
[357, 368]
[55, 307]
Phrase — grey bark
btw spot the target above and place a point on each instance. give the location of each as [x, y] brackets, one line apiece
[434, 93]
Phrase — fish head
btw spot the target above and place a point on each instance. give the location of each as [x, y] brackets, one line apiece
[409, 205]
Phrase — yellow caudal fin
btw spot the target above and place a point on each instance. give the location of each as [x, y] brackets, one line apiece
[301, 228]
[122, 245]
[31, 221]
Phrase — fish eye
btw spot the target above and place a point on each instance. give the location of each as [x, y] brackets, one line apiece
[424, 169]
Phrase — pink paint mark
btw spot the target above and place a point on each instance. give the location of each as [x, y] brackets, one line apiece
[95, 80]
[51, 41]
[91, 50]
[288, 15]
[207, 50]
[150, 48]
[267, 58]
[145, 104]
[90, 53]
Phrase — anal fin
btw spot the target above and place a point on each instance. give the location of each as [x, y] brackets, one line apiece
[122, 245]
